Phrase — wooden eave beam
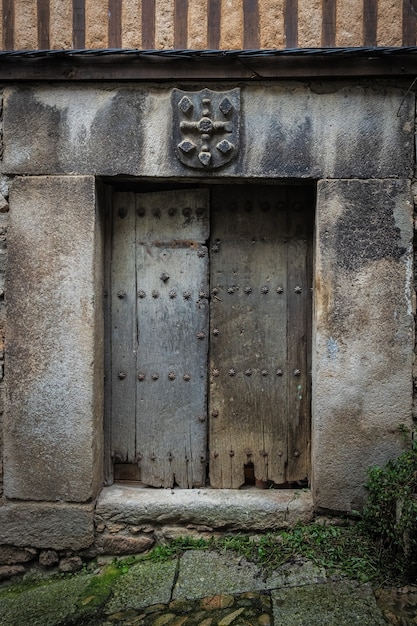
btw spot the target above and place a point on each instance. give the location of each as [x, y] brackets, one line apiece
[120, 66]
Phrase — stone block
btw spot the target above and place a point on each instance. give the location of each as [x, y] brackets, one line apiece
[327, 131]
[343, 603]
[363, 344]
[122, 545]
[48, 526]
[58, 602]
[321, 130]
[219, 509]
[70, 564]
[47, 558]
[8, 571]
[82, 130]
[145, 584]
[53, 413]
[9, 555]
[205, 573]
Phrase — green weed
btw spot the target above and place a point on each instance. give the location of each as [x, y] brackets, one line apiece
[390, 514]
[345, 550]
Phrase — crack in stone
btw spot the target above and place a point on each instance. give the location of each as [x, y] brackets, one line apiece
[175, 579]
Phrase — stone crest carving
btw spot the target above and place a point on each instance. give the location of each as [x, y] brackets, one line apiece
[206, 127]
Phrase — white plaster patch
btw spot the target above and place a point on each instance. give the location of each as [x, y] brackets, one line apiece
[157, 128]
[332, 348]
[80, 106]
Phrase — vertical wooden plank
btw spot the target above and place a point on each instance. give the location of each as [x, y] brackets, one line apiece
[43, 24]
[247, 398]
[78, 24]
[172, 264]
[1, 26]
[115, 23]
[291, 23]
[370, 8]
[328, 33]
[250, 24]
[409, 23]
[8, 25]
[180, 24]
[106, 203]
[124, 338]
[299, 329]
[213, 24]
[148, 24]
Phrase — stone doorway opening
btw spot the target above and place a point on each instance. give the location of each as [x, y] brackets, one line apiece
[209, 335]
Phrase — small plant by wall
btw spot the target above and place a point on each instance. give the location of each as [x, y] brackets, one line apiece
[390, 514]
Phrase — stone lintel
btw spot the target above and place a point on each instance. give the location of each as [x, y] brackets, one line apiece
[288, 130]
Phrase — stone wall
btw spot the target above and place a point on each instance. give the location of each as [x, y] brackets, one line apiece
[199, 24]
[355, 140]
[4, 219]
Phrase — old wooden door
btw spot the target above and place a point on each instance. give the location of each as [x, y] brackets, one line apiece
[159, 319]
[260, 326]
[244, 298]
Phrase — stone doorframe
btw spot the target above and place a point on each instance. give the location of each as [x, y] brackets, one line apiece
[61, 141]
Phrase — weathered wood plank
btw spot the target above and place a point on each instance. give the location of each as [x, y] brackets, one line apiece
[299, 333]
[250, 24]
[328, 28]
[370, 19]
[43, 24]
[78, 24]
[248, 329]
[8, 24]
[213, 23]
[115, 24]
[123, 328]
[106, 203]
[180, 24]
[148, 24]
[291, 23]
[172, 272]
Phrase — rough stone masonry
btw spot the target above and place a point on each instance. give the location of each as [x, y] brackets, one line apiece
[62, 143]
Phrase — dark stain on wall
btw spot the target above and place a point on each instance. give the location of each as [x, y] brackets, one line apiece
[366, 231]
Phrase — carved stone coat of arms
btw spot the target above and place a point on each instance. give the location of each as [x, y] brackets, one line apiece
[206, 127]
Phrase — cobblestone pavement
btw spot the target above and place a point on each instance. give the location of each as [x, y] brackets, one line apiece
[206, 589]
[221, 610]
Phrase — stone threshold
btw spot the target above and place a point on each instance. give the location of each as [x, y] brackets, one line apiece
[248, 510]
